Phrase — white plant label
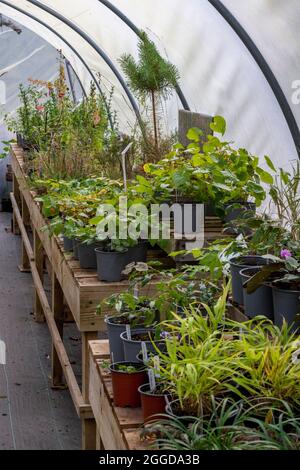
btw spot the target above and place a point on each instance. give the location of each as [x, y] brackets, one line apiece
[144, 351]
[128, 332]
[152, 381]
[136, 291]
[156, 365]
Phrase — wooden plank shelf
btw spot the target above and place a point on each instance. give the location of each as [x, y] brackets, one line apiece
[75, 292]
[117, 428]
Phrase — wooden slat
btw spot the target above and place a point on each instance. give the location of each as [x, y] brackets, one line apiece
[117, 428]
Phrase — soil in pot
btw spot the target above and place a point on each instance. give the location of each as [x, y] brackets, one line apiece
[110, 264]
[87, 255]
[68, 244]
[153, 402]
[286, 299]
[127, 377]
[174, 409]
[134, 345]
[259, 302]
[235, 267]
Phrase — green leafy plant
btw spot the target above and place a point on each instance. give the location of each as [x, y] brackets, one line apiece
[151, 77]
[232, 426]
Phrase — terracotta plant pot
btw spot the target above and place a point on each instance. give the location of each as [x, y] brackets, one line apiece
[152, 404]
[125, 385]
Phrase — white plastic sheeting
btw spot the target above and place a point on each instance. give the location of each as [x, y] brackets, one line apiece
[22, 57]
[218, 74]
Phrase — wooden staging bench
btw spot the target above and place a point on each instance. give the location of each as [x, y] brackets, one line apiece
[117, 428]
[79, 289]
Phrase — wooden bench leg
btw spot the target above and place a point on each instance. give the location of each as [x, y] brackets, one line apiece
[24, 267]
[88, 425]
[99, 443]
[58, 313]
[39, 261]
[16, 191]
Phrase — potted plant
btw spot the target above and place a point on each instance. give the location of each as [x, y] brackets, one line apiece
[153, 78]
[132, 345]
[111, 260]
[236, 265]
[153, 401]
[127, 377]
[130, 310]
[259, 302]
[285, 287]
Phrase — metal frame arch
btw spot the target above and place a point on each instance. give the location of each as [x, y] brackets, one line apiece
[38, 20]
[97, 48]
[137, 31]
[264, 67]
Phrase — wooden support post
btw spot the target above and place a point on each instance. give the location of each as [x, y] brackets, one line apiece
[24, 267]
[39, 262]
[88, 425]
[16, 192]
[99, 443]
[58, 313]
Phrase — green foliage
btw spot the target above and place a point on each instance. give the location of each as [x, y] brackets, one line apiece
[232, 425]
[151, 77]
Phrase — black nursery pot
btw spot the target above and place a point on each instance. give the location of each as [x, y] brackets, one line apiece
[114, 331]
[110, 264]
[235, 267]
[236, 210]
[76, 244]
[259, 302]
[87, 255]
[286, 305]
[68, 243]
[137, 253]
[132, 347]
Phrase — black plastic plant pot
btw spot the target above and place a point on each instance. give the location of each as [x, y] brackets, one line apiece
[235, 267]
[259, 302]
[210, 210]
[76, 244]
[126, 385]
[87, 255]
[110, 264]
[133, 346]
[68, 244]
[237, 210]
[286, 305]
[114, 331]
[137, 253]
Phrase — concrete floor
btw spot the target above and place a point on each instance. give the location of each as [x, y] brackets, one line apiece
[32, 415]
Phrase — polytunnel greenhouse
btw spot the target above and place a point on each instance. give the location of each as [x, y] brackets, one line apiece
[150, 228]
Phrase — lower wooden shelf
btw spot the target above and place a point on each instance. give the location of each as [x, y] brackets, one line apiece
[117, 428]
